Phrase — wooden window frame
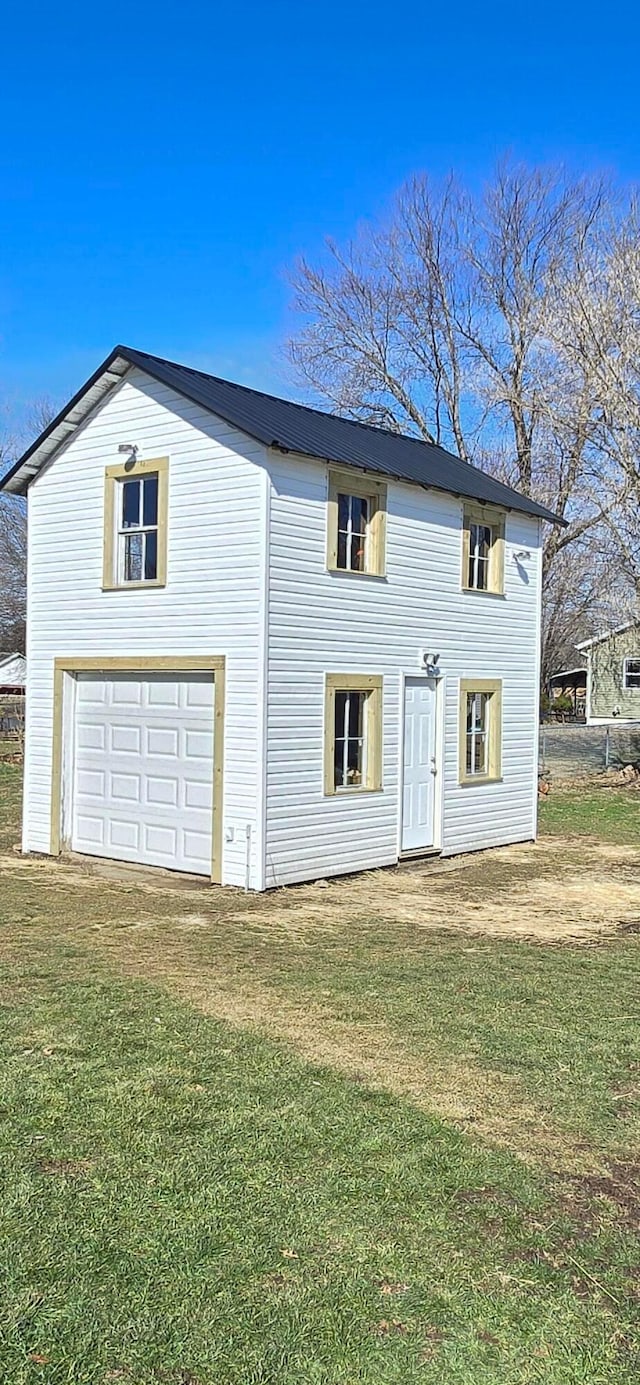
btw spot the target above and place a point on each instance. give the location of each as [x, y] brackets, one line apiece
[366, 488]
[495, 519]
[630, 659]
[492, 688]
[371, 684]
[132, 470]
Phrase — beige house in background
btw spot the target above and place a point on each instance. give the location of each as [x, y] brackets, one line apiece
[613, 675]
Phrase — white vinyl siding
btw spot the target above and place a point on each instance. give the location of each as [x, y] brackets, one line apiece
[248, 578]
[212, 604]
[318, 623]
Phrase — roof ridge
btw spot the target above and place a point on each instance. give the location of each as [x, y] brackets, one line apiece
[278, 423]
[294, 403]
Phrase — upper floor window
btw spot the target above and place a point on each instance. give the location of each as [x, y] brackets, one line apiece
[483, 550]
[631, 672]
[480, 541]
[138, 529]
[135, 524]
[480, 730]
[354, 532]
[356, 524]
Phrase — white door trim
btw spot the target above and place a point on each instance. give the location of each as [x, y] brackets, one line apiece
[438, 685]
[69, 688]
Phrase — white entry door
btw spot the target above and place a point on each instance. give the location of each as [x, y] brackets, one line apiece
[418, 783]
[143, 768]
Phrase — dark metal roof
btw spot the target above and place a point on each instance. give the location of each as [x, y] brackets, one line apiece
[284, 425]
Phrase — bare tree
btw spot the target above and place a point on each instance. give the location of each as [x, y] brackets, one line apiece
[13, 573]
[13, 534]
[379, 339]
[598, 321]
[456, 321]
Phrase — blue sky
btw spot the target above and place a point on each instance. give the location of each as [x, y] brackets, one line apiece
[161, 165]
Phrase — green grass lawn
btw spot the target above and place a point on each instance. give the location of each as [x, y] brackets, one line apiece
[192, 1201]
[561, 1023]
[609, 813]
[10, 801]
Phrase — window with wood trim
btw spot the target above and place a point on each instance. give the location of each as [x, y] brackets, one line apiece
[480, 756]
[356, 524]
[135, 524]
[483, 549]
[353, 733]
[631, 673]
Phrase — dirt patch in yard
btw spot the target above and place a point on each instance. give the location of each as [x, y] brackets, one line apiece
[488, 1104]
[619, 1185]
[560, 891]
[145, 925]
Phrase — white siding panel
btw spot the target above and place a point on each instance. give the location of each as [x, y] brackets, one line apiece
[329, 622]
[211, 604]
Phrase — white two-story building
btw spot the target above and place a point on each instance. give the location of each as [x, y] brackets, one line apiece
[267, 644]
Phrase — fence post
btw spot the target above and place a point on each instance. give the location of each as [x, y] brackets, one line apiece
[606, 748]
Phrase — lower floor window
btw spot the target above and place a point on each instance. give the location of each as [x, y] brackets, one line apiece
[353, 732]
[480, 729]
[477, 732]
[349, 749]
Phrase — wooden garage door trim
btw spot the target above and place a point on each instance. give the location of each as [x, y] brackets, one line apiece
[161, 663]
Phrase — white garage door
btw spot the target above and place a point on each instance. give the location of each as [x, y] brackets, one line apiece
[143, 773]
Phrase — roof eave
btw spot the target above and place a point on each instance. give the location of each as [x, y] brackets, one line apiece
[536, 511]
[608, 634]
[65, 424]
